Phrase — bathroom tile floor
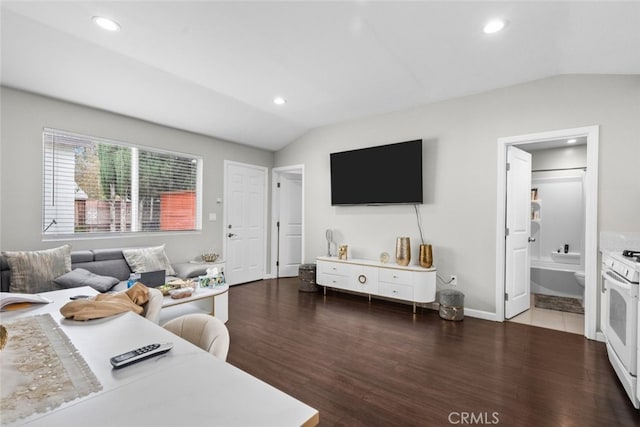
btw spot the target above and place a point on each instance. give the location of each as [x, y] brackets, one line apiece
[551, 319]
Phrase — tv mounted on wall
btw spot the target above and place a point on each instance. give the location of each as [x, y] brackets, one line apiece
[386, 174]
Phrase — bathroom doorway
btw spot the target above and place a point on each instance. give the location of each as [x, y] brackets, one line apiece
[287, 219]
[557, 229]
[568, 176]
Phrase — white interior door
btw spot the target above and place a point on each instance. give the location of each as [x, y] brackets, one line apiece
[245, 217]
[290, 225]
[518, 223]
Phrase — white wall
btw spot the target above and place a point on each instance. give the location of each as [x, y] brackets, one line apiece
[561, 215]
[24, 115]
[558, 158]
[460, 146]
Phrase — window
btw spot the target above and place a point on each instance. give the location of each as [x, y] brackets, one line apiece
[96, 186]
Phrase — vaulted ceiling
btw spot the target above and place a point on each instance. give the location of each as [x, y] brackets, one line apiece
[215, 67]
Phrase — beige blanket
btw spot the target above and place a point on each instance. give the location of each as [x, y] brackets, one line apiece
[104, 305]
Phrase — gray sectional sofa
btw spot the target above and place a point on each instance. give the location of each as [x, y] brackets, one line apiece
[105, 262]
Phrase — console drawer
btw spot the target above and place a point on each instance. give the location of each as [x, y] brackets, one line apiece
[390, 275]
[333, 268]
[333, 280]
[396, 291]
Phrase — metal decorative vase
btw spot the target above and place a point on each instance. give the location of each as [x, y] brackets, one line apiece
[403, 251]
[426, 256]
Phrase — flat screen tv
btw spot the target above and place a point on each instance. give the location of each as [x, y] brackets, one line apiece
[386, 174]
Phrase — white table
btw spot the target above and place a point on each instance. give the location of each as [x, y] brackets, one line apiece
[219, 304]
[186, 386]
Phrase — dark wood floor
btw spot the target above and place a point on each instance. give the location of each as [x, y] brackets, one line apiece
[378, 364]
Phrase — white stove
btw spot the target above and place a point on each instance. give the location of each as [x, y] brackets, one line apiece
[626, 264]
[620, 305]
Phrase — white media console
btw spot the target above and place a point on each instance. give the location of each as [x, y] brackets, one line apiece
[411, 283]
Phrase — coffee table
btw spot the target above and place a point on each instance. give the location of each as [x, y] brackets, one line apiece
[219, 305]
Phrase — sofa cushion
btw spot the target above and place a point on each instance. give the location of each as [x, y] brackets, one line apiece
[188, 270]
[148, 259]
[35, 271]
[81, 277]
[112, 268]
[107, 254]
[81, 256]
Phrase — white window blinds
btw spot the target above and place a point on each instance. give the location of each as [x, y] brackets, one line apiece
[93, 185]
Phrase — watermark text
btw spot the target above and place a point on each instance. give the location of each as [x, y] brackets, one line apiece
[474, 418]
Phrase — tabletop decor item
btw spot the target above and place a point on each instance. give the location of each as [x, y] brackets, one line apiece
[209, 257]
[342, 252]
[329, 236]
[403, 251]
[214, 277]
[384, 257]
[168, 287]
[426, 256]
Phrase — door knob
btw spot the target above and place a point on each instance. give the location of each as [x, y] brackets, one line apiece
[230, 235]
[531, 239]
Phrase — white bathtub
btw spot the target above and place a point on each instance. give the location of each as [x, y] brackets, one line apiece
[554, 275]
[559, 262]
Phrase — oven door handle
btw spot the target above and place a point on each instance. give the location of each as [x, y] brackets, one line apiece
[608, 276]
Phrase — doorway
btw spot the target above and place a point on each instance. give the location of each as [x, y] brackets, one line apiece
[591, 299]
[287, 230]
[245, 222]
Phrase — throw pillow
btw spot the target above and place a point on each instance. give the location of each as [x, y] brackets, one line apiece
[148, 259]
[81, 277]
[34, 271]
[187, 270]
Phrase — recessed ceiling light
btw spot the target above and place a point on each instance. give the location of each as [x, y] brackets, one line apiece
[106, 23]
[494, 26]
[278, 100]
[572, 141]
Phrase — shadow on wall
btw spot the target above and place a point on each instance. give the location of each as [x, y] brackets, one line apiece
[429, 164]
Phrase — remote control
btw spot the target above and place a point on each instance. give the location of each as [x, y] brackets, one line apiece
[139, 354]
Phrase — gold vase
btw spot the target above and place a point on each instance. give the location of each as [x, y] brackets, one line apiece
[403, 251]
[426, 256]
[342, 252]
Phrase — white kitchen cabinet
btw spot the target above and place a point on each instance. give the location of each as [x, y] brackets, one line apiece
[411, 283]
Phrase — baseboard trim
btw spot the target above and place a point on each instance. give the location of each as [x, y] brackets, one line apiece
[480, 314]
[268, 276]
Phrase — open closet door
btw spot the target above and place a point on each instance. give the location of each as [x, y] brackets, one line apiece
[290, 225]
[518, 232]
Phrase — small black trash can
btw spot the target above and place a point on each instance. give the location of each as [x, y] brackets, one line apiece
[451, 304]
[307, 276]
